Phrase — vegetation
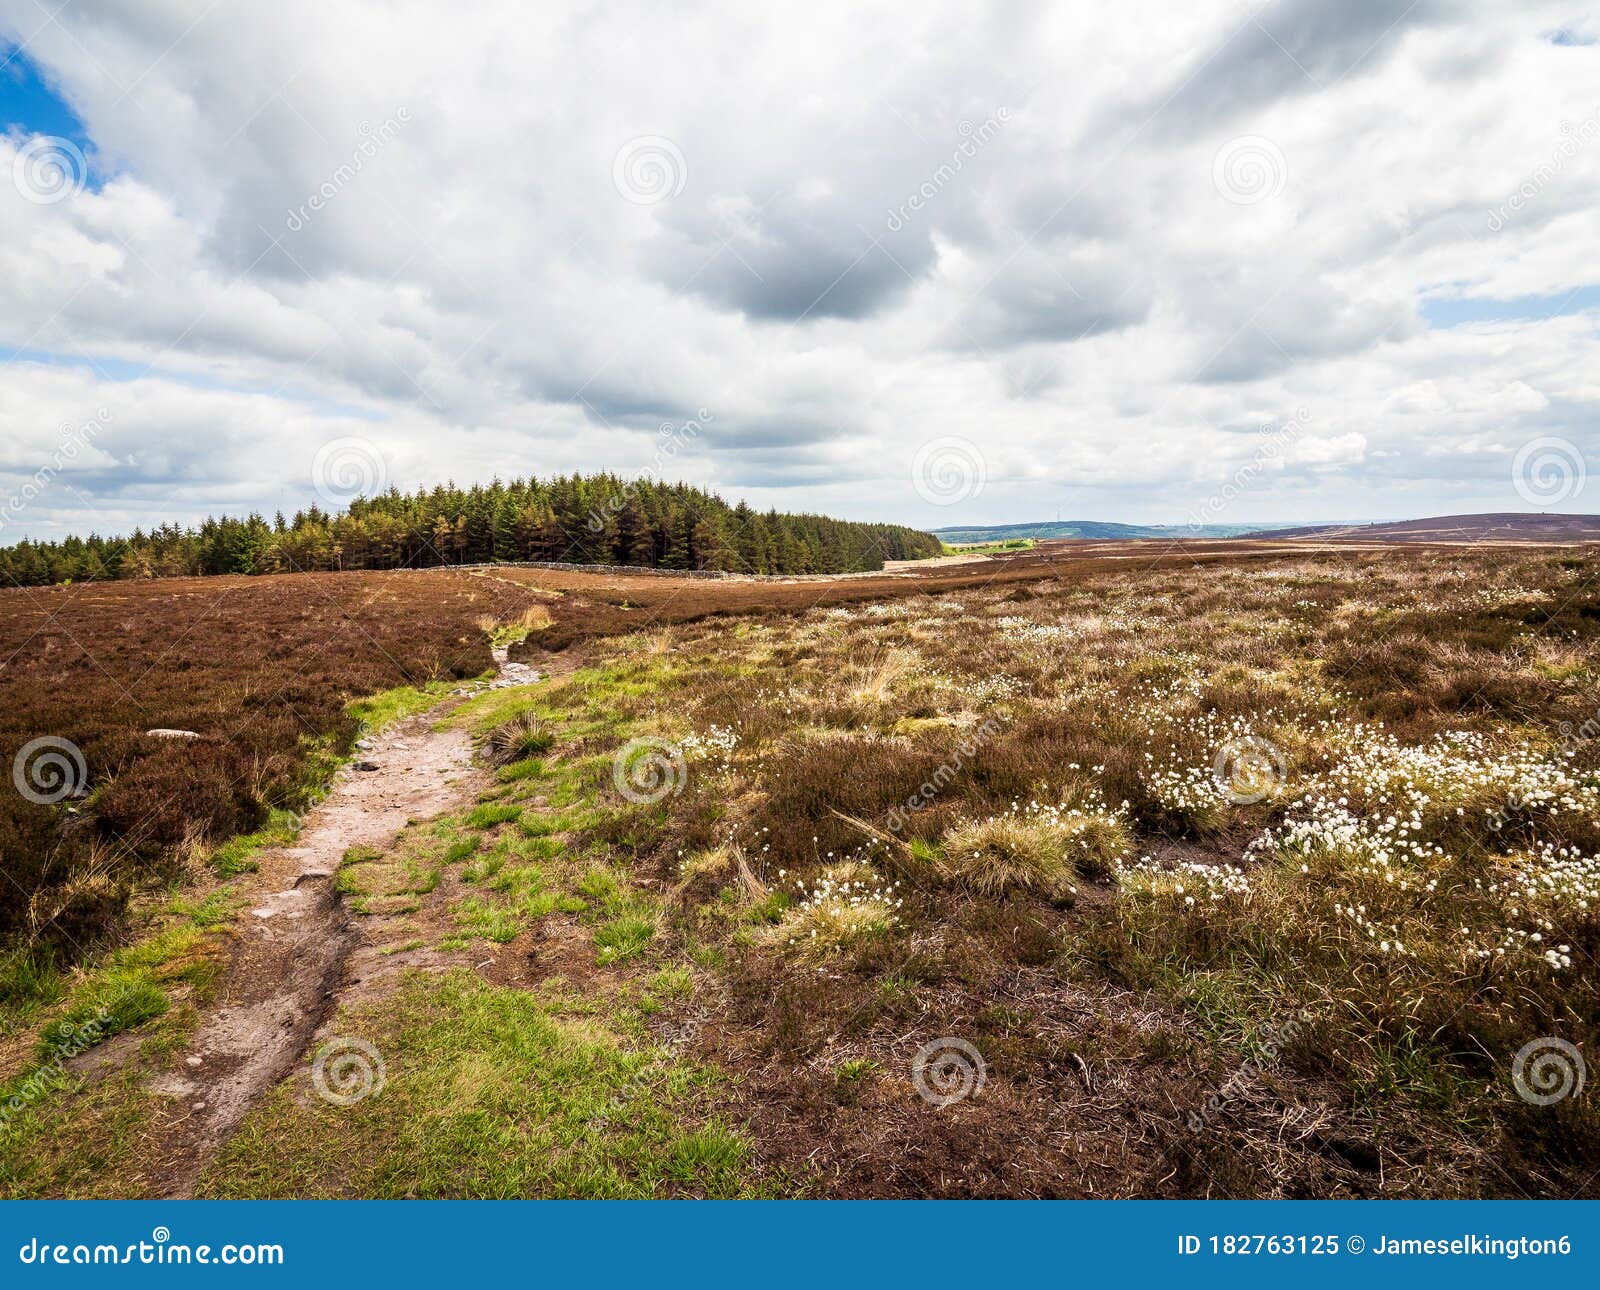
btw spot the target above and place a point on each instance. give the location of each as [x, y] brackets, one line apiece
[1252, 875]
[594, 519]
[273, 677]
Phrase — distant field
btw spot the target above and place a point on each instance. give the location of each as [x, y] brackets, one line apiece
[990, 548]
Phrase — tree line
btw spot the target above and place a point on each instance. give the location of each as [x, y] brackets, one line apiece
[584, 519]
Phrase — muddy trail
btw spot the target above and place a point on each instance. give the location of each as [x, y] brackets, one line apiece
[296, 954]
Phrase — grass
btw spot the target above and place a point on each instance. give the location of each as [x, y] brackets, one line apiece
[494, 1093]
[238, 854]
[1029, 773]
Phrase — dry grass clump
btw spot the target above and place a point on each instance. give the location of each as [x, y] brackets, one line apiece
[845, 907]
[1038, 848]
[518, 739]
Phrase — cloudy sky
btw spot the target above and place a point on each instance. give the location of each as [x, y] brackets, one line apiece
[938, 263]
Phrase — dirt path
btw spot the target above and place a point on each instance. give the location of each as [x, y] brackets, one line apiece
[296, 952]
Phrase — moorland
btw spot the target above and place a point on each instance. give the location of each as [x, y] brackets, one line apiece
[1220, 868]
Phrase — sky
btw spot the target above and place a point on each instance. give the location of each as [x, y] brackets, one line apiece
[941, 264]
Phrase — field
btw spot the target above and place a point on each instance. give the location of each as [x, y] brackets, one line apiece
[1222, 869]
[261, 669]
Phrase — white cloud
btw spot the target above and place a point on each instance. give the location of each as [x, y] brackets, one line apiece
[1072, 291]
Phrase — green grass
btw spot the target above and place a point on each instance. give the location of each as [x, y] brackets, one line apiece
[380, 710]
[622, 939]
[28, 977]
[496, 1093]
[490, 814]
[527, 768]
[238, 854]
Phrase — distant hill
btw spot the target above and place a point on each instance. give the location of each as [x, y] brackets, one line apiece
[1499, 527]
[1089, 529]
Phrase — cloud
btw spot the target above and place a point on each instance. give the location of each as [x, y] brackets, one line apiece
[874, 229]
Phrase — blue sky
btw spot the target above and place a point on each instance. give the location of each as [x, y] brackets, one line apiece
[1242, 261]
[30, 105]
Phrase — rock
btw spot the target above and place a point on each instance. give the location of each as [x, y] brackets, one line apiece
[165, 732]
[366, 765]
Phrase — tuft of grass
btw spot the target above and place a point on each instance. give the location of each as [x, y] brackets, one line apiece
[845, 909]
[489, 814]
[522, 737]
[377, 711]
[623, 938]
[1007, 853]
